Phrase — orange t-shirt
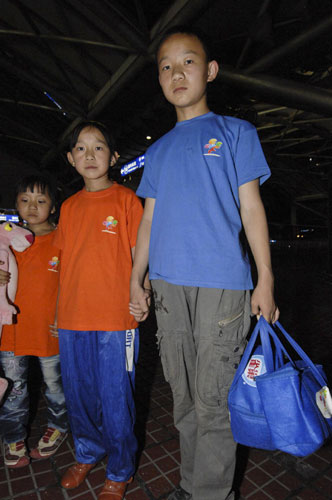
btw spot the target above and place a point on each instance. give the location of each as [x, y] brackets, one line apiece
[36, 296]
[96, 233]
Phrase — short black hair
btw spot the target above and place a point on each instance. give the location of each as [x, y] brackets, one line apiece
[186, 30]
[45, 183]
[93, 124]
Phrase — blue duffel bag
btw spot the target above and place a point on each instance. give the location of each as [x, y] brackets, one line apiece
[277, 403]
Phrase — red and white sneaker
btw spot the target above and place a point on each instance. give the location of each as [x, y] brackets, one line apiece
[16, 455]
[48, 444]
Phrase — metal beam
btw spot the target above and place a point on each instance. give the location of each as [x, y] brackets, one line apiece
[320, 214]
[181, 11]
[297, 42]
[69, 39]
[112, 23]
[264, 7]
[309, 197]
[39, 83]
[31, 105]
[280, 91]
[177, 14]
[45, 48]
[49, 27]
[329, 221]
[22, 139]
[289, 143]
[28, 129]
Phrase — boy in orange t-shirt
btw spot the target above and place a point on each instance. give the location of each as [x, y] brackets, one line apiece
[33, 333]
[97, 334]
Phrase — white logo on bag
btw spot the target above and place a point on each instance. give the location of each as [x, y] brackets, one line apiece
[324, 402]
[254, 368]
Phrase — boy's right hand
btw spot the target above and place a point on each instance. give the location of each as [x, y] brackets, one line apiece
[140, 300]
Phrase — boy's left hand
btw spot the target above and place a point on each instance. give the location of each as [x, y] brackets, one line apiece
[136, 309]
[263, 304]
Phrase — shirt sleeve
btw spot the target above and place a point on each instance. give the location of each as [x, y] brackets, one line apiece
[134, 217]
[148, 185]
[59, 236]
[249, 159]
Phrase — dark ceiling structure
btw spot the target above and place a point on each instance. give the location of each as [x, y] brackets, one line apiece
[63, 61]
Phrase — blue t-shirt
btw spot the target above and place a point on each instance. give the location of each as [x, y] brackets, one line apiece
[194, 173]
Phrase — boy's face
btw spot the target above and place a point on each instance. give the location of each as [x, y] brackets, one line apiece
[184, 73]
[34, 206]
[91, 155]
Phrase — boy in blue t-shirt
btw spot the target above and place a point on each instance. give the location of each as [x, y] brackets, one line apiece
[201, 185]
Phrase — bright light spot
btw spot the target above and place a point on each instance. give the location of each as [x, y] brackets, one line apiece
[53, 100]
[148, 137]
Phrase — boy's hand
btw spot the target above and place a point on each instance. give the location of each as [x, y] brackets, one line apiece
[140, 300]
[262, 303]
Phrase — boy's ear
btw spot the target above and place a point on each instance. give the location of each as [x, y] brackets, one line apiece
[52, 211]
[213, 68]
[114, 158]
[70, 158]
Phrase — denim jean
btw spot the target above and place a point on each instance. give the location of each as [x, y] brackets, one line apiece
[202, 335]
[14, 413]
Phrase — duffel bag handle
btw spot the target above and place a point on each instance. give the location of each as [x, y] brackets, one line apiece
[266, 332]
[296, 348]
[260, 331]
[247, 353]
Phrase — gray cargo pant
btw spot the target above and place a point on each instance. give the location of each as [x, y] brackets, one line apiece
[201, 337]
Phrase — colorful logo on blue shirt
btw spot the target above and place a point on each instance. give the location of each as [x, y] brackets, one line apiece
[110, 224]
[212, 146]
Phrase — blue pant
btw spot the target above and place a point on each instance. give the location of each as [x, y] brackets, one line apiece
[14, 413]
[98, 372]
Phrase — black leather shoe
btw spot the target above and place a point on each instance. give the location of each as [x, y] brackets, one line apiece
[180, 494]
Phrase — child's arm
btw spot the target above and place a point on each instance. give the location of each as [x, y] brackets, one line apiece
[54, 327]
[135, 308]
[139, 298]
[256, 229]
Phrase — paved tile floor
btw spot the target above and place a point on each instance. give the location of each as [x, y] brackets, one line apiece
[304, 292]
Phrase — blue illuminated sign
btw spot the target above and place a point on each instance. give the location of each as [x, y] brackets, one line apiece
[9, 218]
[133, 165]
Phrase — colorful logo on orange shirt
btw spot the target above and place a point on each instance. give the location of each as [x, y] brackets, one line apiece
[110, 224]
[54, 264]
[212, 146]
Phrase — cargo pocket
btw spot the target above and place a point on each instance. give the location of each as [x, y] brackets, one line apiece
[170, 345]
[218, 360]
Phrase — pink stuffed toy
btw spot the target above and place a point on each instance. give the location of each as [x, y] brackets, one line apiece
[20, 239]
[3, 387]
